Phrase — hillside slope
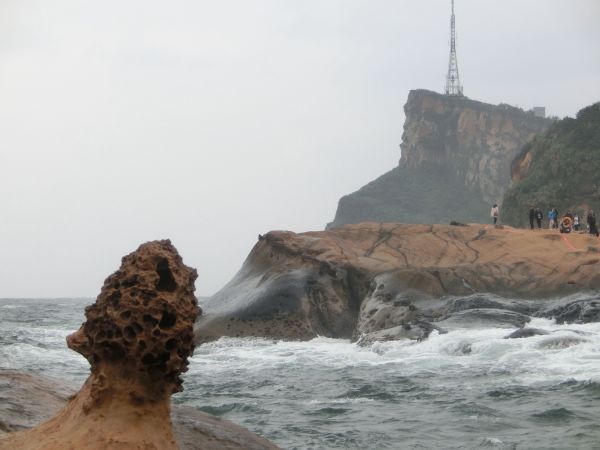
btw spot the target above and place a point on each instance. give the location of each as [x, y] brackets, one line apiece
[560, 168]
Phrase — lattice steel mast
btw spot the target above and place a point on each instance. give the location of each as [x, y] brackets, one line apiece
[453, 86]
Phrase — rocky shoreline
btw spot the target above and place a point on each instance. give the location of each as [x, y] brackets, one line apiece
[29, 399]
[374, 281]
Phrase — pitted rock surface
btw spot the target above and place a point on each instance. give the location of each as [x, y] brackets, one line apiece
[144, 314]
[138, 336]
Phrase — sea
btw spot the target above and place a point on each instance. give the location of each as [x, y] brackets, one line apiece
[467, 389]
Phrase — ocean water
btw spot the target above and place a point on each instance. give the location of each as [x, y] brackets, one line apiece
[467, 389]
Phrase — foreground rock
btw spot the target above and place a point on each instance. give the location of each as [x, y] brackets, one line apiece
[137, 337]
[364, 278]
[29, 399]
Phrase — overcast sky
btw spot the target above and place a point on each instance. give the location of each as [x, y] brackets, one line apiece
[210, 122]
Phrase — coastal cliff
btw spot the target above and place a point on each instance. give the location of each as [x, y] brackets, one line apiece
[456, 157]
[558, 169]
[372, 278]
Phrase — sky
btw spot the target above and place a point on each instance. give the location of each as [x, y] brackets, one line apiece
[211, 122]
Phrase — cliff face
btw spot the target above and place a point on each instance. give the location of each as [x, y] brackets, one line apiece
[557, 169]
[456, 156]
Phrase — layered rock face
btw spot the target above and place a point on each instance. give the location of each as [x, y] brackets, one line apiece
[456, 157]
[395, 280]
[137, 338]
[558, 169]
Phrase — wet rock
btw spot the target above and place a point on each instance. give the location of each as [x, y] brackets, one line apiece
[484, 317]
[29, 399]
[579, 311]
[283, 294]
[387, 305]
[415, 332]
[525, 333]
[480, 301]
[559, 342]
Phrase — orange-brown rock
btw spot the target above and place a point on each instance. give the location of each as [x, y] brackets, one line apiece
[368, 277]
[137, 338]
[29, 399]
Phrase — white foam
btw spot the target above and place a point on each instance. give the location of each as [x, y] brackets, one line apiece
[525, 361]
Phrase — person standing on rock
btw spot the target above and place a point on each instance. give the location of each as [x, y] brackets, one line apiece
[531, 216]
[538, 217]
[494, 213]
[591, 220]
[576, 222]
[550, 219]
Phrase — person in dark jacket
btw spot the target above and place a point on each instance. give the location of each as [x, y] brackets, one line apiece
[591, 220]
[531, 216]
[538, 217]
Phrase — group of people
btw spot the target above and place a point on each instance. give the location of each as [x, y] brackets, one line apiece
[566, 223]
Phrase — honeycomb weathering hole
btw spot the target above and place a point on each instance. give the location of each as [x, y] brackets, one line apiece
[166, 282]
[167, 320]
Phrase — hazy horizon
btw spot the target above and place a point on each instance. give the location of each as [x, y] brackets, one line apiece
[211, 122]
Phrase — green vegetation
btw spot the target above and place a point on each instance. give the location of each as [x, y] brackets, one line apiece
[564, 171]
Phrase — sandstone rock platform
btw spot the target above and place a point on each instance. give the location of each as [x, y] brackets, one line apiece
[368, 277]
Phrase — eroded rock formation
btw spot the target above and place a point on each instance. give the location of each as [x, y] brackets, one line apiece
[456, 157]
[390, 281]
[137, 337]
[29, 399]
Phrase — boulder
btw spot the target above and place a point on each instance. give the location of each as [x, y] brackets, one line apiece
[575, 311]
[416, 331]
[525, 333]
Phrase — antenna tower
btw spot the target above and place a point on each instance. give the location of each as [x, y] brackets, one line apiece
[453, 86]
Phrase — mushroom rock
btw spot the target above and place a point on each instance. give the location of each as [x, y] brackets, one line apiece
[137, 337]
